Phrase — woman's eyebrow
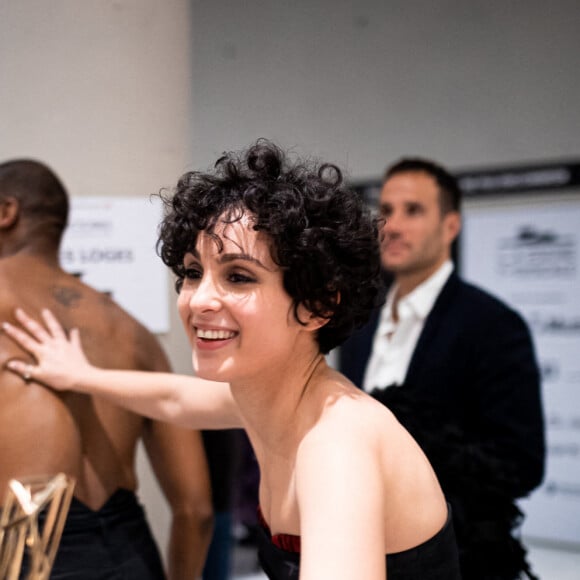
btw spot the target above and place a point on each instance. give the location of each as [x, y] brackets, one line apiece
[230, 257]
[193, 252]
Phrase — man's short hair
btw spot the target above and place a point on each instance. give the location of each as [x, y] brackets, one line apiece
[41, 195]
[449, 190]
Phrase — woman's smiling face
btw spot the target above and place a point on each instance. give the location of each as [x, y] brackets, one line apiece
[236, 313]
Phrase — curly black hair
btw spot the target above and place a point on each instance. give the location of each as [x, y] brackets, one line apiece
[322, 234]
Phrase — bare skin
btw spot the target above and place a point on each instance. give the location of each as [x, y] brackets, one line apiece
[45, 432]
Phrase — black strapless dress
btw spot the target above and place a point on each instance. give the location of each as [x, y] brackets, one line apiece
[435, 559]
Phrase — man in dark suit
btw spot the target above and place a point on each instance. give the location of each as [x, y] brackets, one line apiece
[457, 367]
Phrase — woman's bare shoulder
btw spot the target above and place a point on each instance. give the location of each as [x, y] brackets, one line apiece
[349, 416]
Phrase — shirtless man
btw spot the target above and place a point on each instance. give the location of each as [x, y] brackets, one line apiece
[45, 432]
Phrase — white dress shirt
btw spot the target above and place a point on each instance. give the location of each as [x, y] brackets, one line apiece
[395, 342]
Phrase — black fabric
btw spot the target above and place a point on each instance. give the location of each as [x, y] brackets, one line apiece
[478, 484]
[222, 453]
[113, 543]
[435, 559]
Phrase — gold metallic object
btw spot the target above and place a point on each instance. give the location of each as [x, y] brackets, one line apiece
[21, 532]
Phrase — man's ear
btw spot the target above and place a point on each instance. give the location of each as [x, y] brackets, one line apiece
[452, 225]
[9, 210]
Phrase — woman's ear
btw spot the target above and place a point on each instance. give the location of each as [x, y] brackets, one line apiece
[313, 321]
[9, 210]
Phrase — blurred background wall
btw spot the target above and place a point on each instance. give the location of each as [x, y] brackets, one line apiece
[122, 96]
[362, 83]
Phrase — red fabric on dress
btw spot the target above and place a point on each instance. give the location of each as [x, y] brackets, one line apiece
[286, 542]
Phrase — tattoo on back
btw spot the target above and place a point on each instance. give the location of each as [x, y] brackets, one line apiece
[66, 296]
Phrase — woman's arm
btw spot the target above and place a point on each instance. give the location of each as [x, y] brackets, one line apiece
[62, 365]
[340, 493]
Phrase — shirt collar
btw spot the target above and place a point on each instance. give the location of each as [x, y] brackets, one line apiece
[420, 301]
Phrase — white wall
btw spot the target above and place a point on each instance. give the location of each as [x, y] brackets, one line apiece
[362, 83]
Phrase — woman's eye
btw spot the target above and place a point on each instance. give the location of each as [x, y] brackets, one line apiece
[184, 276]
[192, 273]
[239, 278]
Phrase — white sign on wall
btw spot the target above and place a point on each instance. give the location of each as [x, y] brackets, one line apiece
[110, 245]
[529, 255]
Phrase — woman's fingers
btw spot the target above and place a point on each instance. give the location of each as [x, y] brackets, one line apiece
[22, 338]
[48, 343]
[75, 338]
[31, 325]
[25, 370]
[53, 325]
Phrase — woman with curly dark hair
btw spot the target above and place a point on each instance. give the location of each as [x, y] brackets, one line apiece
[276, 263]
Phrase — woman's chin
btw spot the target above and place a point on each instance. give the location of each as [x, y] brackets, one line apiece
[209, 374]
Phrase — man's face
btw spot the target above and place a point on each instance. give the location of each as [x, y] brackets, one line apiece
[416, 237]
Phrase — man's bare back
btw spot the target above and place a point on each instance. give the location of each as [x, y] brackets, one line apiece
[43, 432]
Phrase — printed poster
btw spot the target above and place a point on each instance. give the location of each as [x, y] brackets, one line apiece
[529, 255]
[110, 245]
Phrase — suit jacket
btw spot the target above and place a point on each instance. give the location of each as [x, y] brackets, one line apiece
[474, 363]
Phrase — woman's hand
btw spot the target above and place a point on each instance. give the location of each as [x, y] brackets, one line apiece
[60, 359]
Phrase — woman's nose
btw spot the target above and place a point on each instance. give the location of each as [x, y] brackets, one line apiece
[206, 295]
